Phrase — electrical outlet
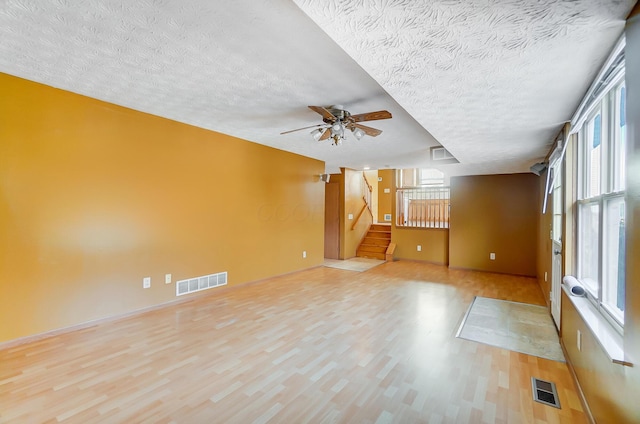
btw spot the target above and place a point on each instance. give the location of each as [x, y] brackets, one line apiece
[350, 216]
[146, 282]
[304, 253]
[492, 256]
[419, 248]
[579, 340]
[167, 278]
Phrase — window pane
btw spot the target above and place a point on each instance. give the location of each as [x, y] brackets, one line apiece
[594, 149]
[620, 139]
[614, 257]
[588, 246]
[431, 177]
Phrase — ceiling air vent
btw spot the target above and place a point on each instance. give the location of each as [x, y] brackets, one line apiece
[440, 153]
[191, 285]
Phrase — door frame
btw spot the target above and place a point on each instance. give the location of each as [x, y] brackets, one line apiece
[557, 212]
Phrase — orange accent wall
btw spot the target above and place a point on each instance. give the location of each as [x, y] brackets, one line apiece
[494, 213]
[94, 197]
[386, 200]
[434, 243]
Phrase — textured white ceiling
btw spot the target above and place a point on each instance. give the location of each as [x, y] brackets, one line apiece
[492, 80]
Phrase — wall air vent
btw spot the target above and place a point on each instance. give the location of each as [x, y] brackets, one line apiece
[545, 392]
[200, 283]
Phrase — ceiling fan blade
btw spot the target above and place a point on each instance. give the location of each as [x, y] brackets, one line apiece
[300, 129]
[326, 134]
[324, 112]
[371, 116]
[368, 130]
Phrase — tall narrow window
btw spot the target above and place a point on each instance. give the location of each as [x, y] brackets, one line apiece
[601, 206]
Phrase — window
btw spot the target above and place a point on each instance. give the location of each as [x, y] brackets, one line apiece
[422, 199]
[601, 205]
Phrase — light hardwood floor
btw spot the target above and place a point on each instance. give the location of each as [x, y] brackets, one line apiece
[323, 345]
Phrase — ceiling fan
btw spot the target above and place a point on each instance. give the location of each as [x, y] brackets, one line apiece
[337, 121]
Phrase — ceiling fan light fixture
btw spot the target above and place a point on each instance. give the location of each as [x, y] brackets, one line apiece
[317, 133]
[337, 129]
[358, 133]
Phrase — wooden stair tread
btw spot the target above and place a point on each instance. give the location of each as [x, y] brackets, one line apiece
[378, 234]
[375, 242]
[371, 255]
[374, 249]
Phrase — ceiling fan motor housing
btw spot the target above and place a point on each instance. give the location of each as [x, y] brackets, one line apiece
[339, 114]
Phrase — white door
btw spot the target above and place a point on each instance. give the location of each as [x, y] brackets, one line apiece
[556, 236]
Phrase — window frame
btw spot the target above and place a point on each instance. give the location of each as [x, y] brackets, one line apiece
[609, 112]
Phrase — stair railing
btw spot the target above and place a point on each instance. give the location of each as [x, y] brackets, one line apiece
[366, 196]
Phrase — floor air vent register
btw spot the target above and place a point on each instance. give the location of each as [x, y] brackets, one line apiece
[545, 392]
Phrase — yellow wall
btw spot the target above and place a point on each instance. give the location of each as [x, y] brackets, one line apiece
[494, 213]
[386, 200]
[353, 205]
[602, 381]
[94, 197]
[434, 243]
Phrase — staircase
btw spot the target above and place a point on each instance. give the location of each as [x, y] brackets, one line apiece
[375, 243]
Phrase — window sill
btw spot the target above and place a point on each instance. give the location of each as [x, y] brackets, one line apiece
[609, 339]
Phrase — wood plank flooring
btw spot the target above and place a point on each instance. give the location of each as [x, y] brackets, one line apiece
[323, 345]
